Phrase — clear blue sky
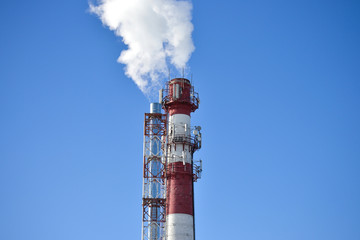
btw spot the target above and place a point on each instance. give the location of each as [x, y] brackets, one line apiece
[279, 83]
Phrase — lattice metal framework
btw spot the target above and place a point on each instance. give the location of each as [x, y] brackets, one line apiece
[154, 182]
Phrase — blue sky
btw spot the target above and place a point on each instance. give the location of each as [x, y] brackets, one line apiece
[280, 99]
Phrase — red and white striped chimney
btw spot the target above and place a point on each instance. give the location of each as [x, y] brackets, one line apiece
[179, 103]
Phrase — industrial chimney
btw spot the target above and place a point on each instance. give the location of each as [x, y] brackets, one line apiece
[170, 170]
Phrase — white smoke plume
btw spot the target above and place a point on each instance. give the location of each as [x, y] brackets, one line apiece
[156, 32]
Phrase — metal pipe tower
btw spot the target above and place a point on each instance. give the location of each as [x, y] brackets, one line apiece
[154, 181]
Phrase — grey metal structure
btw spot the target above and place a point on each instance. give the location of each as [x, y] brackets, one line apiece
[154, 185]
